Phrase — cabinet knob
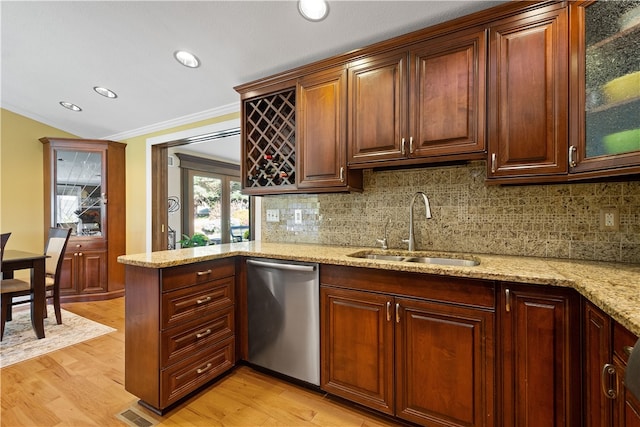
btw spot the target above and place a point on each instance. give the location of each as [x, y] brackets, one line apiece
[78, 246]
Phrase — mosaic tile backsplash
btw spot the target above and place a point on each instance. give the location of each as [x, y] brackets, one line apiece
[554, 221]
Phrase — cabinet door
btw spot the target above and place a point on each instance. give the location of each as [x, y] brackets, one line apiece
[92, 271]
[357, 347]
[597, 353]
[377, 118]
[447, 96]
[528, 96]
[605, 87]
[444, 364]
[627, 407]
[321, 127]
[539, 373]
[68, 276]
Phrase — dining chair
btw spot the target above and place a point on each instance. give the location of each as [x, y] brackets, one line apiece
[56, 245]
[8, 287]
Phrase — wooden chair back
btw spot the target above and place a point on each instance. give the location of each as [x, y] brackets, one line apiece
[56, 245]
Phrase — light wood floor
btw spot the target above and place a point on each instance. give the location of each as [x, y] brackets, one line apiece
[83, 385]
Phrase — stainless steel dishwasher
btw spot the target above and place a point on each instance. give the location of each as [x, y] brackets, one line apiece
[283, 301]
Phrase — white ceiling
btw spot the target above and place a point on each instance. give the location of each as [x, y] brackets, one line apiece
[56, 51]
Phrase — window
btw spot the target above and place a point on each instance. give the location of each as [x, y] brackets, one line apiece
[213, 203]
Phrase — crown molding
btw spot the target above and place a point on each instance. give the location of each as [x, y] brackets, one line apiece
[178, 121]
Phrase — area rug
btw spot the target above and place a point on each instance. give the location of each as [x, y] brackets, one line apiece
[20, 343]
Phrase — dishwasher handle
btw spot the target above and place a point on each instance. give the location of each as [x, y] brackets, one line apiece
[289, 267]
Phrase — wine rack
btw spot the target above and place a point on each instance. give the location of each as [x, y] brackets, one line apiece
[271, 140]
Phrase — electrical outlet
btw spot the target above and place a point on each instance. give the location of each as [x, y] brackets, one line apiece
[297, 217]
[273, 215]
[609, 218]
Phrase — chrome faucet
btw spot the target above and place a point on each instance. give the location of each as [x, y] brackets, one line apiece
[385, 240]
[412, 240]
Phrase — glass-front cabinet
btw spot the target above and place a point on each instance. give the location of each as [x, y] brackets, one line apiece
[79, 196]
[84, 183]
[605, 88]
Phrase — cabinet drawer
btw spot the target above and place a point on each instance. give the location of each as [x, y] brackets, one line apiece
[192, 274]
[196, 302]
[183, 378]
[623, 340]
[184, 340]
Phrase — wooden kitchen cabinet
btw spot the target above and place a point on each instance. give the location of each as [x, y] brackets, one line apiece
[84, 189]
[414, 346]
[84, 271]
[539, 365]
[179, 329]
[528, 96]
[294, 137]
[321, 122]
[606, 345]
[358, 347]
[605, 88]
[422, 102]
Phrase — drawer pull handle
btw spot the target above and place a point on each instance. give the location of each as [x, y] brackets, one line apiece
[388, 310]
[203, 370]
[609, 369]
[627, 350]
[203, 300]
[204, 334]
[203, 273]
[397, 313]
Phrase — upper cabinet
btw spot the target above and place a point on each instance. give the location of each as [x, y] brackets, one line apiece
[545, 91]
[294, 136]
[528, 87]
[84, 189]
[605, 90]
[321, 124]
[421, 103]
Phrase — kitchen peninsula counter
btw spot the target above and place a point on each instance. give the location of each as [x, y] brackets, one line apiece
[613, 287]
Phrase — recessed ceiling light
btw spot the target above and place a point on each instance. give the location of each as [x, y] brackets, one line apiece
[105, 92]
[313, 10]
[70, 106]
[187, 59]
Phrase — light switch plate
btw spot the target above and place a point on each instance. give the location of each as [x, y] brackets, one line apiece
[273, 215]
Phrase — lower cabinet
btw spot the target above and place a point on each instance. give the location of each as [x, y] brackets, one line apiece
[538, 358]
[84, 272]
[606, 349]
[427, 359]
[179, 329]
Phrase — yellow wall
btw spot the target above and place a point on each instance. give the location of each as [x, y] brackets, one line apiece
[21, 180]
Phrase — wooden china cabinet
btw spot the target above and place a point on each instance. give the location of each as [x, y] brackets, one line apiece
[84, 189]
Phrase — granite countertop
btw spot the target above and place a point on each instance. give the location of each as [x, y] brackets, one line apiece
[614, 287]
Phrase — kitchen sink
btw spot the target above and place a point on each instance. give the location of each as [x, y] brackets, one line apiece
[419, 258]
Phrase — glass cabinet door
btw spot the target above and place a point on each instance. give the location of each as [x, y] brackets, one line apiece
[609, 45]
[79, 192]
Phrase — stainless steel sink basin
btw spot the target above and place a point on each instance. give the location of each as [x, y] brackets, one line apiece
[440, 260]
[461, 262]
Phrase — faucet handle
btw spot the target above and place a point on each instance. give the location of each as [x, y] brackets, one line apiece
[383, 242]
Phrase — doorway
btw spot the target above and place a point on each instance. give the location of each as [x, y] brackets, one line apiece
[157, 163]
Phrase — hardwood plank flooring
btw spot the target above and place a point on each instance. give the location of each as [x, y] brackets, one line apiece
[83, 385]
